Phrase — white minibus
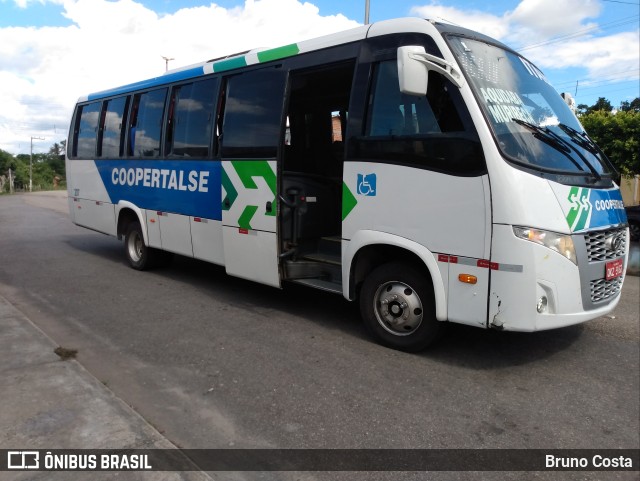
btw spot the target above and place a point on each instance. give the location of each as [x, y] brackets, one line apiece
[427, 171]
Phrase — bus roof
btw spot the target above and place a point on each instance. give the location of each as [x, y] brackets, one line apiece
[257, 56]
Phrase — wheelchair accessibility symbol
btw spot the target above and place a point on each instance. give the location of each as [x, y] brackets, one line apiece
[366, 185]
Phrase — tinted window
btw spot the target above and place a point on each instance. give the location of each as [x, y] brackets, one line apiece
[432, 131]
[88, 116]
[395, 113]
[146, 124]
[113, 128]
[192, 119]
[253, 107]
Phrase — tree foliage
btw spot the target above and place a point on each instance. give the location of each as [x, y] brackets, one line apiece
[47, 168]
[601, 104]
[617, 133]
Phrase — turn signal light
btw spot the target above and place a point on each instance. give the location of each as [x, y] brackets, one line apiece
[467, 278]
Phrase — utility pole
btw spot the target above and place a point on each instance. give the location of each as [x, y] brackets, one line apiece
[166, 62]
[31, 163]
[366, 12]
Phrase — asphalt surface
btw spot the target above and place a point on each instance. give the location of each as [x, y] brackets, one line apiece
[197, 359]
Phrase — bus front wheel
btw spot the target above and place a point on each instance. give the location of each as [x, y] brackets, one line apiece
[398, 308]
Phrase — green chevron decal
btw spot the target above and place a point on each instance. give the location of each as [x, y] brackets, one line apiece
[247, 169]
[580, 208]
[248, 186]
[246, 216]
[348, 201]
[232, 193]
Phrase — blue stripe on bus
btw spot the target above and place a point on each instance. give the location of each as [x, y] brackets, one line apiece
[150, 83]
[607, 208]
[184, 187]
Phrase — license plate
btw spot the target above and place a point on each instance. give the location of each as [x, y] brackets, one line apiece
[614, 269]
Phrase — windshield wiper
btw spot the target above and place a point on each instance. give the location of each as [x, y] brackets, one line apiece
[580, 139]
[583, 140]
[558, 143]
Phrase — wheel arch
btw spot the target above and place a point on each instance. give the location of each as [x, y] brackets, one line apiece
[127, 212]
[369, 249]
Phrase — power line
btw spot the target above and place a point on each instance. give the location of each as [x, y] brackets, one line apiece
[636, 93]
[600, 85]
[579, 33]
[613, 77]
[619, 1]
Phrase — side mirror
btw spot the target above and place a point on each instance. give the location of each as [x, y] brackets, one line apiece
[414, 64]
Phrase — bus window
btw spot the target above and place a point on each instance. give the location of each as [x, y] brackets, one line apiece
[87, 128]
[252, 116]
[394, 113]
[191, 122]
[113, 129]
[433, 131]
[146, 123]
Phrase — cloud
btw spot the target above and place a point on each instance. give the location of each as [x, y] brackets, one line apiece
[601, 56]
[44, 70]
[539, 19]
[492, 25]
[538, 22]
[551, 18]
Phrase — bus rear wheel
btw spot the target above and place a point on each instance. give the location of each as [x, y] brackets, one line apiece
[398, 308]
[138, 254]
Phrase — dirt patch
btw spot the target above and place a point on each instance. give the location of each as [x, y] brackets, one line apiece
[65, 353]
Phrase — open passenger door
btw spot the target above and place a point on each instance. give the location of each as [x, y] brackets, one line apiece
[250, 134]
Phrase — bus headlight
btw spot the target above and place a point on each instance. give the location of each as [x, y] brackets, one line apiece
[562, 244]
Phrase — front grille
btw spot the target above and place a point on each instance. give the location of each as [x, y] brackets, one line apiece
[600, 244]
[602, 289]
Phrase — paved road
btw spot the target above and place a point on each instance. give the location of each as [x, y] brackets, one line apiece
[217, 362]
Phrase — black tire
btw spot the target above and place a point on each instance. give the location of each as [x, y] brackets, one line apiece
[138, 254]
[398, 308]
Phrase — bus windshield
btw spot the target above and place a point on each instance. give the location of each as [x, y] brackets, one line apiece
[532, 124]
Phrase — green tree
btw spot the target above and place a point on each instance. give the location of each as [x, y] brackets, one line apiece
[5, 161]
[55, 158]
[601, 104]
[634, 105]
[21, 172]
[618, 135]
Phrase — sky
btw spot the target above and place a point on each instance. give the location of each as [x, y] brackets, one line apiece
[54, 51]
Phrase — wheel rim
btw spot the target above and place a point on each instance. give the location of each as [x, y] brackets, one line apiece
[398, 308]
[135, 247]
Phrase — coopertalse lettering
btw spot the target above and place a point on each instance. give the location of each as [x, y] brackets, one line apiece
[169, 179]
[609, 204]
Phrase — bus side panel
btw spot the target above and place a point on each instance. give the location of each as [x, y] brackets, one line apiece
[446, 214]
[96, 215]
[467, 300]
[175, 233]
[90, 204]
[154, 238]
[206, 237]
